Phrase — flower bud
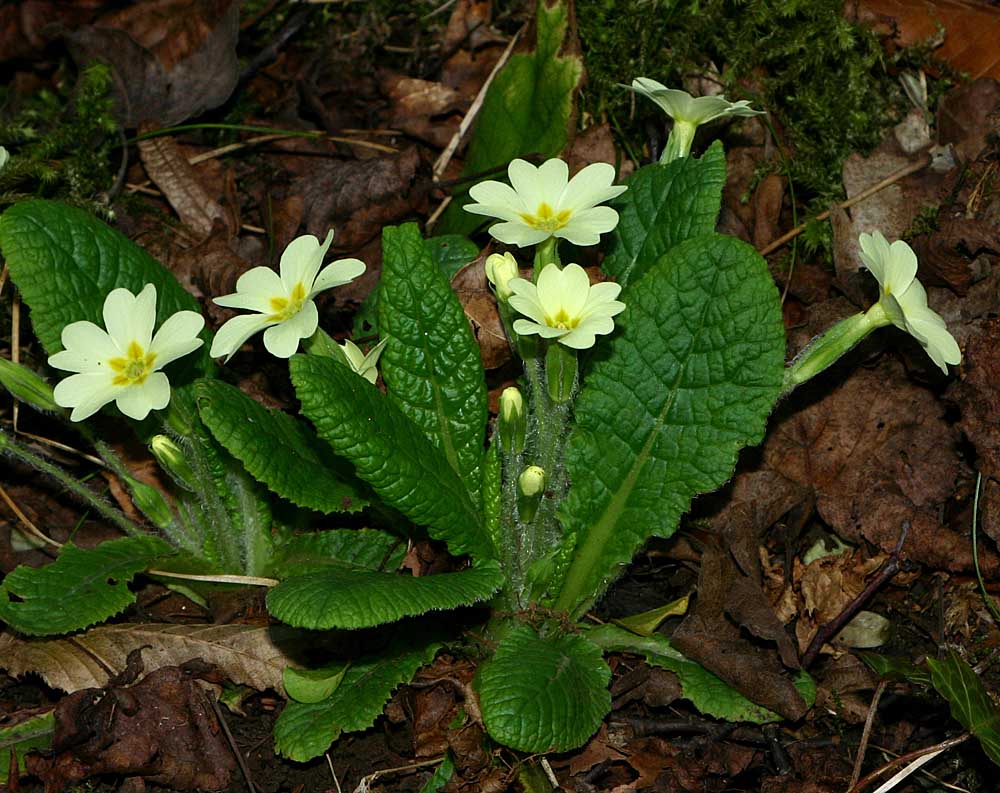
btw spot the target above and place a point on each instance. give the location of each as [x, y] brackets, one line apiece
[27, 386]
[499, 271]
[151, 503]
[512, 422]
[171, 457]
[530, 487]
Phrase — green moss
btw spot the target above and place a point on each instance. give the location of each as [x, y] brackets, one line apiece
[64, 144]
[827, 83]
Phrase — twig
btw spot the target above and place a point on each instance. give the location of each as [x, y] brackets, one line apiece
[15, 347]
[364, 786]
[907, 758]
[247, 580]
[456, 139]
[895, 176]
[866, 733]
[32, 529]
[830, 629]
[336, 782]
[241, 761]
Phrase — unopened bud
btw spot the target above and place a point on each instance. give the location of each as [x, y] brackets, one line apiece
[151, 503]
[172, 458]
[530, 487]
[27, 386]
[500, 270]
[513, 423]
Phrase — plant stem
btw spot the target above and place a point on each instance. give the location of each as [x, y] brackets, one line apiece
[102, 507]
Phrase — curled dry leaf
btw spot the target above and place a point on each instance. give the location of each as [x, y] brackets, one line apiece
[245, 654]
[422, 108]
[481, 308]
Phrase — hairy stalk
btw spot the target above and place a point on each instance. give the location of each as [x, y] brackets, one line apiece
[100, 505]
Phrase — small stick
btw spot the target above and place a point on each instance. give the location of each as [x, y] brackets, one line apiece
[336, 782]
[866, 733]
[907, 758]
[241, 761]
[456, 139]
[830, 629]
[31, 528]
[246, 580]
[895, 176]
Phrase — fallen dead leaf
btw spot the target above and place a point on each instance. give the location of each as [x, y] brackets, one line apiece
[481, 308]
[245, 654]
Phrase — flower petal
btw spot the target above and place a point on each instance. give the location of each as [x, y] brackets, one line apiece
[553, 176]
[527, 183]
[875, 255]
[528, 328]
[575, 286]
[118, 306]
[518, 233]
[337, 273]
[85, 393]
[282, 340]
[232, 334]
[136, 401]
[177, 337]
[254, 291]
[524, 299]
[901, 270]
[591, 186]
[88, 347]
[302, 259]
[495, 199]
[586, 222]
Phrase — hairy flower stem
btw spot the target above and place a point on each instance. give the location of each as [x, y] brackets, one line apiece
[84, 494]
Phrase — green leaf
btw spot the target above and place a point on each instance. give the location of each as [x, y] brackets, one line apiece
[527, 108]
[277, 449]
[543, 694]
[971, 704]
[355, 549]
[431, 366]
[646, 623]
[442, 776]
[899, 669]
[338, 598]
[65, 261]
[313, 685]
[304, 731]
[706, 692]
[390, 452]
[687, 384]
[79, 588]
[34, 732]
[664, 206]
[451, 252]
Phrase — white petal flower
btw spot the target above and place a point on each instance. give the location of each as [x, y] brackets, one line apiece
[564, 306]
[544, 202]
[283, 302]
[903, 299]
[122, 363]
[364, 365]
[688, 112]
[682, 107]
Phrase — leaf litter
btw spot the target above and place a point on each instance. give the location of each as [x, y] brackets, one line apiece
[818, 473]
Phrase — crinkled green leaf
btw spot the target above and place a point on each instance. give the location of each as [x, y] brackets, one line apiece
[527, 108]
[451, 252]
[355, 549]
[899, 669]
[431, 366]
[304, 731]
[79, 588]
[971, 704]
[278, 450]
[34, 732]
[65, 261]
[339, 598]
[707, 693]
[543, 694]
[687, 383]
[663, 206]
[390, 452]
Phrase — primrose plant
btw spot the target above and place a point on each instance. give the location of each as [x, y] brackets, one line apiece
[641, 384]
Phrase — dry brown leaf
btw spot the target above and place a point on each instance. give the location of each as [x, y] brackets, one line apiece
[481, 308]
[247, 654]
[971, 29]
[420, 107]
[170, 171]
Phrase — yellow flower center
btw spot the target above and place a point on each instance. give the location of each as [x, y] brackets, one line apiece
[134, 368]
[546, 219]
[287, 307]
[561, 320]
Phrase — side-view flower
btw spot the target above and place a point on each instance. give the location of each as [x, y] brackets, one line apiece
[360, 363]
[121, 364]
[544, 202]
[564, 306]
[688, 112]
[903, 299]
[283, 303]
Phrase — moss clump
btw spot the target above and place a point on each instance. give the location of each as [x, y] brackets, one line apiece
[62, 144]
[827, 82]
